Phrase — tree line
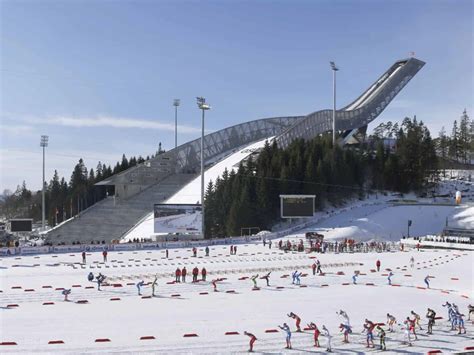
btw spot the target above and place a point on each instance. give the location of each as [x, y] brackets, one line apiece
[249, 197]
[64, 199]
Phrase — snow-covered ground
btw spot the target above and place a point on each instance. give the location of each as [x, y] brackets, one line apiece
[120, 315]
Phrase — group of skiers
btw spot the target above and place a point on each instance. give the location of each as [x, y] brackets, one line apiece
[180, 274]
[370, 328]
[99, 279]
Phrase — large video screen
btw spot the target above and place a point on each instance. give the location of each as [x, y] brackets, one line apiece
[21, 225]
[297, 206]
[177, 219]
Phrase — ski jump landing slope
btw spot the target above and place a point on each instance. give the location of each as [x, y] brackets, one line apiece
[189, 317]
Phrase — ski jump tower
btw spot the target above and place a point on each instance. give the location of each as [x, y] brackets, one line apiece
[154, 181]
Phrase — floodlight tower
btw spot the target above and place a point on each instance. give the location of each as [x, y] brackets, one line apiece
[334, 69]
[43, 144]
[203, 106]
[176, 103]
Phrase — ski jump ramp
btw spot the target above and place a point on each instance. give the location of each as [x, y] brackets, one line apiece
[156, 180]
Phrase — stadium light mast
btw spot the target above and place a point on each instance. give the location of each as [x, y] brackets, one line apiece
[176, 103]
[43, 144]
[334, 69]
[203, 106]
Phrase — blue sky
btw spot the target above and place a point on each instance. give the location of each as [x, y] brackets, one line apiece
[99, 77]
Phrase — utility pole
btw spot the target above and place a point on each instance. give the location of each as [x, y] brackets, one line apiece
[43, 144]
[203, 106]
[176, 103]
[334, 70]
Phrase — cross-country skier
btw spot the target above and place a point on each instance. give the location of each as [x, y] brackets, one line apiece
[252, 340]
[427, 281]
[214, 284]
[269, 244]
[345, 317]
[381, 334]
[100, 279]
[460, 322]
[66, 292]
[431, 315]
[354, 278]
[314, 327]
[391, 320]
[369, 329]
[83, 257]
[297, 320]
[389, 278]
[267, 278]
[207, 251]
[347, 330]
[313, 267]
[297, 277]
[287, 330]
[412, 326]
[417, 319]
[407, 323]
[412, 262]
[293, 276]
[139, 286]
[328, 339]
[318, 264]
[254, 280]
[154, 284]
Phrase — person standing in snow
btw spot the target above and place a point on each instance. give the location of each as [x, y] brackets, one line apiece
[412, 262]
[139, 286]
[267, 278]
[381, 334]
[297, 320]
[154, 285]
[269, 244]
[369, 329]
[417, 319]
[83, 257]
[66, 293]
[287, 330]
[254, 280]
[328, 338]
[207, 251]
[183, 274]
[177, 274]
[195, 274]
[252, 340]
[203, 273]
[431, 315]
[391, 320]
[377, 264]
[354, 278]
[314, 327]
[347, 330]
[313, 267]
[389, 278]
[427, 281]
[90, 277]
[297, 277]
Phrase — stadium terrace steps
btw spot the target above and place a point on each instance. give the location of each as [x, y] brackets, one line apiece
[109, 219]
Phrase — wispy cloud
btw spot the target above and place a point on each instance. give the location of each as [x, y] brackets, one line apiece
[108, 121]
[16, 129]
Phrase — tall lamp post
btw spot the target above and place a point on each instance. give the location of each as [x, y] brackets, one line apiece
[203, 106]
[176, 104]
[43, 144]
[334, 70]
